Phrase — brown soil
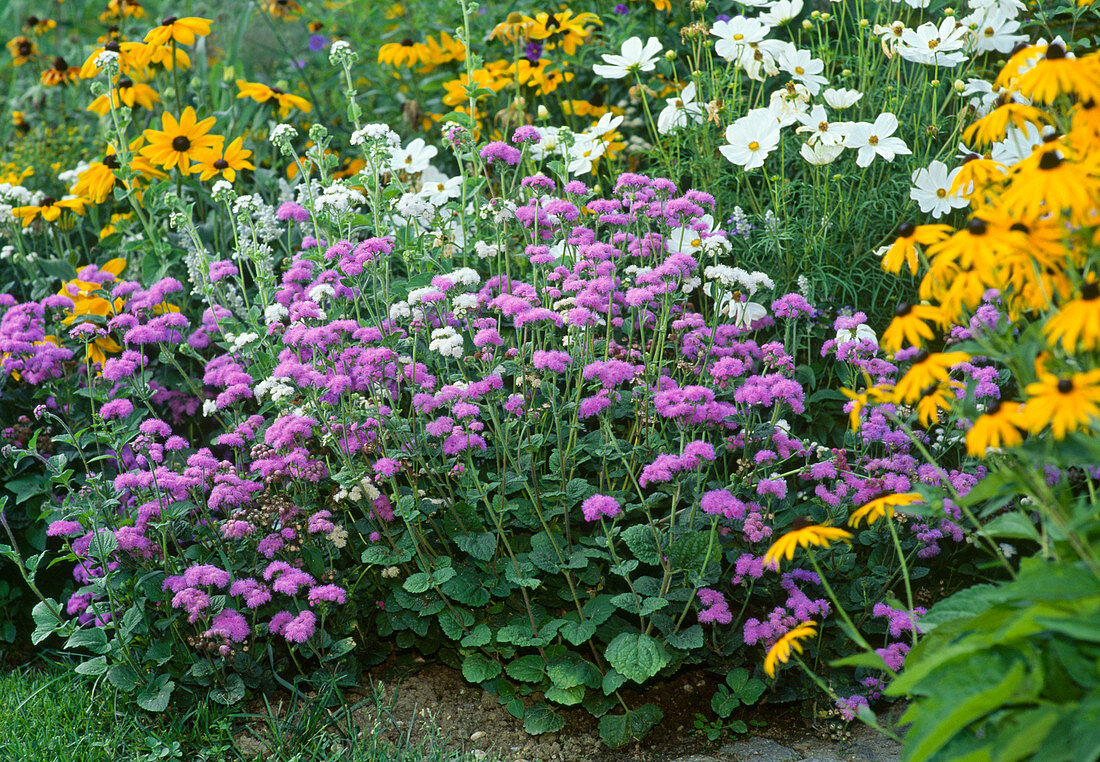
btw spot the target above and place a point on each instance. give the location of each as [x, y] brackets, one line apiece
[436, 701]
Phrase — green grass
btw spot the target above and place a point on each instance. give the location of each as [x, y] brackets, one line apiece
[49, 713]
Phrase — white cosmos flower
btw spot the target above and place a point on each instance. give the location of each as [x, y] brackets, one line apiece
[689, 239]
[876, 139]
[758, 59]
[861, 332]
[1017, 145]
[820, 154]
[608, 123]
[442, 189]
[994, 30]
[584, 152]
[635, 56]
[744, 314]
[413, 158]
[735, 35]
[935, 45]
[781, 11]
[821, 130]
[787, 107]
[1010, 8]
[751, 138]
[548, 145]
[932, 190]
[804, 68]
[841, 98]
[680, 111]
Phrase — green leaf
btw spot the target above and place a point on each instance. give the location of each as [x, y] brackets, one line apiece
[577, 632]
[528, 669]
[687, 639]
[965, 603]
[612, 681]
[745, 687]
[103, 544]
[418, 583]
[639, 538]
[614, 730]
[481, 545]
[690, 551]
[123, 677]
[618, 729]
[566, 696]
[477, 668]
[480, 635]
[540, 718]
[637, 656]
[94, 667]
[1012, 526]
[865, 659]
[723, 703]
[230, 693]
[92, 638]
[154, 696]
[968, 689]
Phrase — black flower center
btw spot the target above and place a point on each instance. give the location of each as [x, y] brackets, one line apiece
[181, 143]
[1090, 291]
[920, 357]
[906, 229]
[24, 48]
[1050, 160]
[1020, 227]
[976, 226]
[801, 522]
[1065, 385]
[125, 83]
[903, 309]
[1055, 52]
[407, 42]
[47, 201]
[111, 46]
[111, 162]
[60, 64]
[993, 407]
[221, 164]
[168, 21]
[277, 91]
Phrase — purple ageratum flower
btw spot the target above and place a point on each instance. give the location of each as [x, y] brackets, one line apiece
[533, 52]
[716, 609]
[386, 466]
[621, 9]
[722, 502]
[331, 593]
[222, 269]
[300, 628]
[526, 134]
[317, 42]
[551, 360]
[600, 505]
[64, 529]
[254, 593]
[119, 408]
[500, 151]
[229, 624]
[792, 305]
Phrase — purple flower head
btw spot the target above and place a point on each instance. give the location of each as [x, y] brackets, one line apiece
[600, 505]
[500, 151]
[526, 134]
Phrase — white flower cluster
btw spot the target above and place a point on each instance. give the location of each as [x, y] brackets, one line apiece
[735, 277]
[275, 313]
[375, 134]
[342, 53]
[486, 250]
[337, 198]
[276, 388]
[281, 137]
[446, 342]
[414, 208]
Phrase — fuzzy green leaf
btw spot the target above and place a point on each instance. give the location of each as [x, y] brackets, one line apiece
[638, 657]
